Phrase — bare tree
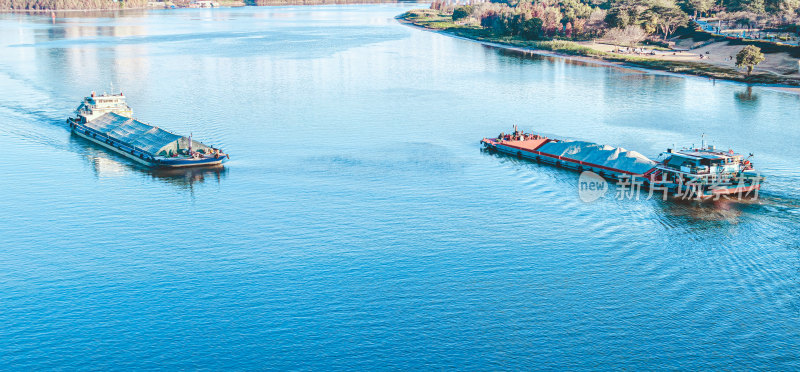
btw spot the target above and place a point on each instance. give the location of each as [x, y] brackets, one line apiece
[628, 36]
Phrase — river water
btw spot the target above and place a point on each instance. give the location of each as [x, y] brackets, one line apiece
[358, 224]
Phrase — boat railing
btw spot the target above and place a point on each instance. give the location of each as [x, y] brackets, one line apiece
[706, 178]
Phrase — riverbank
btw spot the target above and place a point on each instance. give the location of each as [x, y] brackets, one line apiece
[113, 6]
[68, 11]
[35, 6]
[318, 2]
[672, 61]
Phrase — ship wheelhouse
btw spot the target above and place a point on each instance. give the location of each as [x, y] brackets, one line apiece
[701, 163]
[95, 106]
[705, 171]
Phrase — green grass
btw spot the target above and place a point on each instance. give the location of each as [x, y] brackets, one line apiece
[431, 19]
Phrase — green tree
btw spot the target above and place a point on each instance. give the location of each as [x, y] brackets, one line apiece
[786, 7]
[668, 17]
[755, 6]
[462, 12]
[574, 9]
[531, 29]
[700, 7]
[651, 22]
[618, 18]
[749, 57]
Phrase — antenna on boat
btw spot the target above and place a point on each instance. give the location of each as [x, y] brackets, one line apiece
[703, 141]
[112, 88]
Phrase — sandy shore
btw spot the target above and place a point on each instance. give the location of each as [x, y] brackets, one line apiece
[718, 54]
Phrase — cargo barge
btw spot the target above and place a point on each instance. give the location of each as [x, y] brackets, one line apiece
[697, 172]
[107, 120]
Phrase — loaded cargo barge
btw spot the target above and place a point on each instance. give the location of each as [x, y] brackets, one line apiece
[107, 120]
[700, 172]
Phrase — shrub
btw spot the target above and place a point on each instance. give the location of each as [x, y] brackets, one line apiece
[462, 12]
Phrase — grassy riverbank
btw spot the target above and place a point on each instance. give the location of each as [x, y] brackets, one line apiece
[434, 20]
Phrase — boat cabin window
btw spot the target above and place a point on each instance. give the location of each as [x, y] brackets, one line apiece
[711, 161]
[678, 161]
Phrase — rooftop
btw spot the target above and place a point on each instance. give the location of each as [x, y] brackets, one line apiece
[706, 154]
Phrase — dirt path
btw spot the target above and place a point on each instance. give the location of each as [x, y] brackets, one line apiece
[719, 54]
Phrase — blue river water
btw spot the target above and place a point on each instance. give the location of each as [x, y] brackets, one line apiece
[358, 225]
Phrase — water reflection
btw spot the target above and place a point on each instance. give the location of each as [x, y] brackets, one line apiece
[93, 14]
[694, 211]
[540, 55]
[522, 55]
[673, 211]
[746, 96]
[76, 50]
[186, 178]
[59, 16]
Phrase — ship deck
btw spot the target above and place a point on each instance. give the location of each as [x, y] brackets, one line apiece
[528, 145]
[142, 157]
[530, 149]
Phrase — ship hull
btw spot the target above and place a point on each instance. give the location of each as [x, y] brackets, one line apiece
[142, 160]
[676, 190]
[558, 161]
[715, 192]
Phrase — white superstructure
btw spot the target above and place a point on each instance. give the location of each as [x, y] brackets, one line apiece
[95, 106]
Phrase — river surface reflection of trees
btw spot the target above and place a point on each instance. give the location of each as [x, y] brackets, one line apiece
[746, 96]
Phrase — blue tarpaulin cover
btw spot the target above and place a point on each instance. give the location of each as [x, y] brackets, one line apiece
[134, 133]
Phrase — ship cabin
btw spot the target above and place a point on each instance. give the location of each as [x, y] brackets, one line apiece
[96, 105]
[706, 162]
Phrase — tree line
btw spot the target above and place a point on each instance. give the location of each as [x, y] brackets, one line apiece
[70, 4]
[629, 19]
